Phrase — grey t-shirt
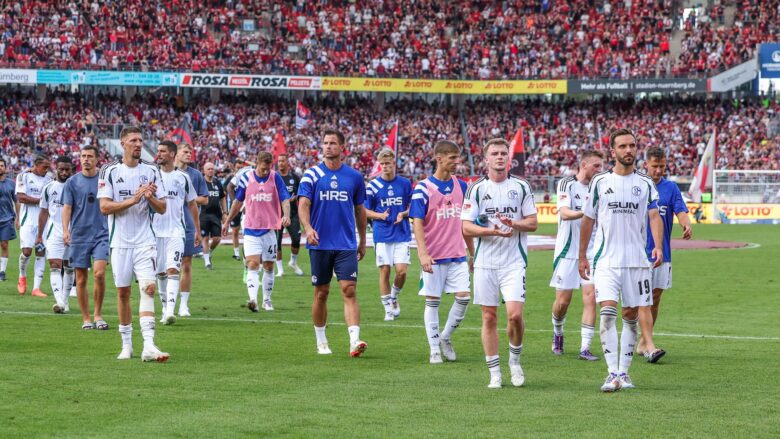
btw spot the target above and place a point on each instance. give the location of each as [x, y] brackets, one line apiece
[87, 224]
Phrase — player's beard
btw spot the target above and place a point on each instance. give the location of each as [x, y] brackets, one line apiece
[626, 160]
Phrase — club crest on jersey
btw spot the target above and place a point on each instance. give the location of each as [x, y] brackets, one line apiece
[144, 179]
[512, 194]
[390, 191]
[636, 190]
[334, 184]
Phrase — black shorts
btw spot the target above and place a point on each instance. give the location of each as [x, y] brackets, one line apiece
[324, 262]
[294, 230]
[210, 226]
[236, 221]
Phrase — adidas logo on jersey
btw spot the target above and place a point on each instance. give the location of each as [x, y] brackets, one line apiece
[487, 197]
[577, 197]
[121, 180]
[609, 191]
[333, 178]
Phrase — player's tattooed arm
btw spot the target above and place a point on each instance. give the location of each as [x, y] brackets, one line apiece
[286, 213]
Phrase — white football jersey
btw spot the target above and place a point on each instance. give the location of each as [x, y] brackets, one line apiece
[31, 185]
[180, 192]
[619, 204]
[51, 200]
[511, 198]
[571, 194]
[131, 228]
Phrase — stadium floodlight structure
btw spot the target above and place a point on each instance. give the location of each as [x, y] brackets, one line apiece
[748, 194]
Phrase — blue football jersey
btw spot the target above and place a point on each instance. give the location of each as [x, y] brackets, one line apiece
[670, 203]
[333, 195]
[393, 196]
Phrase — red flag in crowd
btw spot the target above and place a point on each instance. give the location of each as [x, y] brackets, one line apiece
[702, 176]
[279, 146]
[392, 143]
[517, 149]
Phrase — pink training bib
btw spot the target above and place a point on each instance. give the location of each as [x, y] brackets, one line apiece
[262, 209]
[442, 225]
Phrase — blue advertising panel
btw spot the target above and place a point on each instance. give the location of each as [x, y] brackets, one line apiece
[769, 60]
[88, 77]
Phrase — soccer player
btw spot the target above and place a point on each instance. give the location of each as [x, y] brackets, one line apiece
[620, 201]
[670, 203]
[235, 225]
[7, 216]
[436, 206]
[127, 191]
[292, 181]
[169, 228]
[212, 215]
[266, 202]
[183, 160]
[330, 205]
[50, 231]
[566, 276]
[85, 232]
[388, 197]
[499, 211]
[29, 187]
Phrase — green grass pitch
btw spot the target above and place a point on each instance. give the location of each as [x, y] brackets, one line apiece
[238, 374]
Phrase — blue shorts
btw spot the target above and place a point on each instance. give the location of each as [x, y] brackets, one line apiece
[325, 262]
[81, 255]
[7, 231]
[189, 245]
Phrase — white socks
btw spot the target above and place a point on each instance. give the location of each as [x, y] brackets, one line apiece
[185, 300]
[609, 337]
[319, 332]
[23, 261]
[294, 259]
[558, 325]
[514, 354]
[162, 289]
[147, 331]
[235, 252]
[394, 291]
[207, 258]
[354, 334]
[586, 331]
[3, 264]
[387, 302]
[126, 331]
[279, 266]
[457, 313]
[268, 285]
[67, 283]
[252, 284]
[431, 319]
[627, 342]
[40, 267]
[171, 291]
[493, 364]
[55, 279]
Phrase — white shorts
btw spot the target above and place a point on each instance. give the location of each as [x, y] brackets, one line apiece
[127, 262]
[391, 253]
[629, 286]
[55, 247]
[662, 276]
[452, 277]
[27, 235]
[488, 282]
[169, 253]
[264, 246]
[566, 275]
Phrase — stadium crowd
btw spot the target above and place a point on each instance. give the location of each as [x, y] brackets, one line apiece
[475, 39]
[239, 127]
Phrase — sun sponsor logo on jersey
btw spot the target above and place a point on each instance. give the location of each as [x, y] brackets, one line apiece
[173, 193]
[126, 192]
[505, 210]
[628, 207]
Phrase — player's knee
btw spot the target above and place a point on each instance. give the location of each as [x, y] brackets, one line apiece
[489, 317]
[147, 288]
[657, 296]
[515, 317]
[348, 291]
[27, 252]
[55, 265]
[268, 266]
[171, 272]
[146, 302]
[321, 294]
[400, 273]
[563, 301]
[4, 245]
[630, 313]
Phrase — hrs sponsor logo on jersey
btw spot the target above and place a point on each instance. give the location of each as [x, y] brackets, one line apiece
[391, 200]
[662, 210]
[261, 197]
[448, 210]
[333, 194]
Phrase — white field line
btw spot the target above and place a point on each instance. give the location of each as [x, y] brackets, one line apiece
[405, 326]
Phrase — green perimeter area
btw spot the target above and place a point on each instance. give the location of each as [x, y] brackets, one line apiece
[238, 374]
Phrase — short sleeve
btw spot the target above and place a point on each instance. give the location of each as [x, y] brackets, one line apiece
[189, 192]
[679, 203]
[470, 210]
[201, 189]
[306, 188]
[529, 205]
[21, 187]
[44, 202]
[652, 197]
[67, 193]
[105, 184]
[419, 205]
[359, 192]
[370, 202]
[161, 191]
[241, 189]
[281, 187]
[563, 194]
[591, 206]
